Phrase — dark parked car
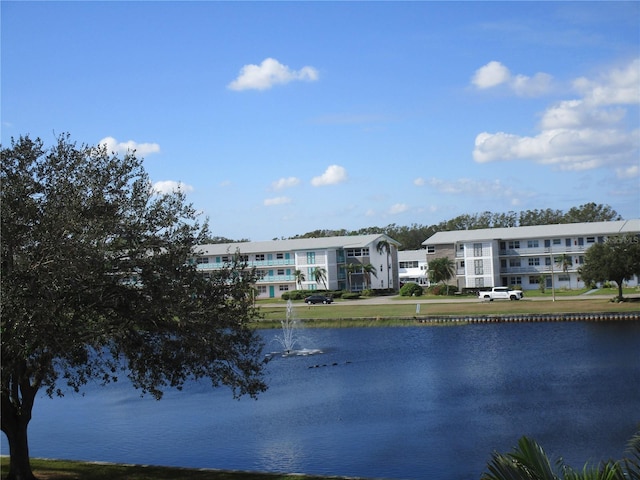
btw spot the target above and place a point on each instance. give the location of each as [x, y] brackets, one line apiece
[317, 299]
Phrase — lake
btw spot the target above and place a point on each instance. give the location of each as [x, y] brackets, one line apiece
[397, 402]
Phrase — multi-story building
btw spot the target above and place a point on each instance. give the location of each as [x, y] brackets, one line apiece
[412, 267]
[523, 256]
[352, 263]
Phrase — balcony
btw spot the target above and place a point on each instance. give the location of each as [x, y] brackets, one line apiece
[260, 263]
[535, 269]
[540, 251]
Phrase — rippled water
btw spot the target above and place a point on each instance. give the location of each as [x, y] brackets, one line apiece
[401, 403]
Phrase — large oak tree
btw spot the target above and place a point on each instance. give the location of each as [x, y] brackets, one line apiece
[617, 259]
[97, 283]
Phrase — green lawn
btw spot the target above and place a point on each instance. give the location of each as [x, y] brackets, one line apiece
[67, 470]
[346, 311]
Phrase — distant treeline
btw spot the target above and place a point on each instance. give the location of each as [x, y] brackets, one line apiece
[412, 236]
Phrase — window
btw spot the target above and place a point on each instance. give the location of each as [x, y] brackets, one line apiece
[513, 244]
[259, 257]
[534, 280]
[516, 281]
[567, 242]
[311, 257]
[479, 282]
[478, 267]
[534, 262]
[200, 260]
[600, 239]
[262, 289]
[279, 256]
[357, 252]
[280, 271]
[563, 278]
[514, 262]
[532, 243]
[591, 239]
[477, 249]
[411, 264]
[431, 249]
[283, 288]
[557, 241]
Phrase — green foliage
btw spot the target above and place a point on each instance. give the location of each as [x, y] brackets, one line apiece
[440, 289]
[350, 295]
[618, 259]
[442, 270]
[411, 290]
[528, 461]
[97, 283]
[542, 281]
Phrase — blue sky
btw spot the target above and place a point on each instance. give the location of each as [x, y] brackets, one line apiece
[279, 118]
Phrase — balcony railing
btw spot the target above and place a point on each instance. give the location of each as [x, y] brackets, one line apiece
[258, 263]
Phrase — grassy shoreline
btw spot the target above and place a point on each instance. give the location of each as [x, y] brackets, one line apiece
[47, 469]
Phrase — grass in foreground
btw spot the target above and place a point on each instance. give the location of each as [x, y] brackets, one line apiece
[69, 470]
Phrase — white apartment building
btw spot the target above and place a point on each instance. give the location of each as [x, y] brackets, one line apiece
[412, 267]
[278, 260]
[523, 256]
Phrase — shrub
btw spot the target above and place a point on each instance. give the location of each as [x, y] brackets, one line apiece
[411, 290]
[350, 295]
[440, 289]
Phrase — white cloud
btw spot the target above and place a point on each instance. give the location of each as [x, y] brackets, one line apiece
[332, 175]
[419, 182]
[484, 188]
[578, 134]
[632, 171]
[495, 73]
[269, 73]
[269, 202]
[141, 149]
[285, 183]
[534, 86]
[620, 86]
[491, 75]
[398, 208]
[169, 186]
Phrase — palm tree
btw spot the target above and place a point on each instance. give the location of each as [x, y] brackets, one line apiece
[564, 262]
[320, 275]
[299, 276]
[369, 270]
[529, 461]
[442, 270]
[350, 268]
[384, 246]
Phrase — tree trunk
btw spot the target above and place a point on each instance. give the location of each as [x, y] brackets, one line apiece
[15, 420]
[619, 282]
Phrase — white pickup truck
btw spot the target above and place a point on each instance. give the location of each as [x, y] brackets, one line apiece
[501, 293]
